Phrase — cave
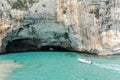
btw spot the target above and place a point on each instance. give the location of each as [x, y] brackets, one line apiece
[54, 48]
[25, 45]
[21, 45]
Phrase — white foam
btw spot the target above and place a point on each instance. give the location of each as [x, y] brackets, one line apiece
[114, 67]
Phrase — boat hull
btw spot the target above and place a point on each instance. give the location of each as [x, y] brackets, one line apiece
[85, 61]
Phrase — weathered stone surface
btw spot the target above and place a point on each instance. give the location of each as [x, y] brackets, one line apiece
[82, 25]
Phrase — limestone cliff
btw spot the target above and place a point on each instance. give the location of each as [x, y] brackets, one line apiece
[82, 25]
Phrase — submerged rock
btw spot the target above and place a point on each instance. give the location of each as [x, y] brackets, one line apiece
[79, 25]
[7, 67]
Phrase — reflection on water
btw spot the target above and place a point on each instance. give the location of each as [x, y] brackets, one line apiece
[31, 67]
[71, 54]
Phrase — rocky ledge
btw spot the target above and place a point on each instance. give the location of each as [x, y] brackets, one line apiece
[90, 26]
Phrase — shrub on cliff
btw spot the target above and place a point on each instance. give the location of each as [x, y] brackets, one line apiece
[21, 4]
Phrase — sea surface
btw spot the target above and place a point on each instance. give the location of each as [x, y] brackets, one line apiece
[63, 66]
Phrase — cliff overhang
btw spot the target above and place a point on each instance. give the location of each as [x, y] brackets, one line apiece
[81, 25]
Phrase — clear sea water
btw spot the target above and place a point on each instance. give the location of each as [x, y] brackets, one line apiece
[63, 66]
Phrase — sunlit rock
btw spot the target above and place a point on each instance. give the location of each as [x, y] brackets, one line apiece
[90, 26]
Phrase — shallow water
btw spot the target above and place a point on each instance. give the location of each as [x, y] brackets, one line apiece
[63, 66]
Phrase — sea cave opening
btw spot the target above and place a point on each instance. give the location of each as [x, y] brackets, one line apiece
[21, 45]
[25, 45]
[54, 48]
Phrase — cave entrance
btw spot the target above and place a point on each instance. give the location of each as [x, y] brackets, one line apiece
[54, 48]
[23, 45]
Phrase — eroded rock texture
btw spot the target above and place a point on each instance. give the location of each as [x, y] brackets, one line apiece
[82, 25]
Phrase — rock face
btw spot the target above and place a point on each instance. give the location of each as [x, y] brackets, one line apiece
[80, 25]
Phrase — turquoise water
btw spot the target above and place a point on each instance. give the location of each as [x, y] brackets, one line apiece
[63, 66]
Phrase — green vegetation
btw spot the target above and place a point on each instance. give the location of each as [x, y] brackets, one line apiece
[64, 10]
[107, 2]
[96, 12]
[21, 4]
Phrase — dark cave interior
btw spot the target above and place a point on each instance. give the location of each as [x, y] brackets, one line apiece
[25, 45]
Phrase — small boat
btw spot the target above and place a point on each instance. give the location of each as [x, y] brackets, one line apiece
[85, 61]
